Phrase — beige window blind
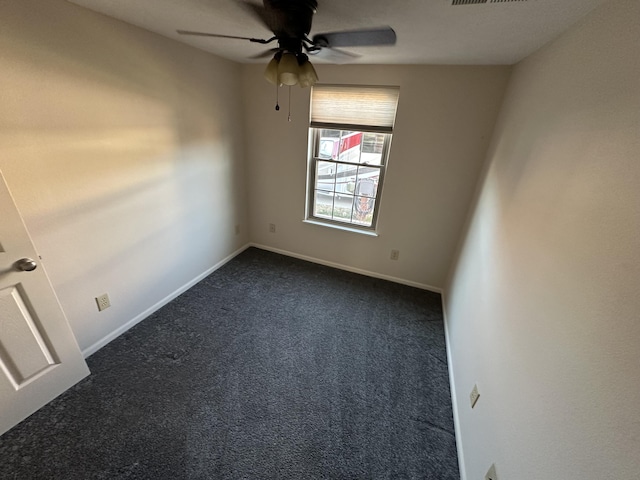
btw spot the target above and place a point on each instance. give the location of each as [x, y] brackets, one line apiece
[354, 107]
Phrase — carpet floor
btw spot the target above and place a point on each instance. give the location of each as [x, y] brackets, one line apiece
[269, 368]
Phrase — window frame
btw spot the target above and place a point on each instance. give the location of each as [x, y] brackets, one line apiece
[313, 159]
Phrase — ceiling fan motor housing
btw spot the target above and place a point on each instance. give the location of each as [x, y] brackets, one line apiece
[293, 17]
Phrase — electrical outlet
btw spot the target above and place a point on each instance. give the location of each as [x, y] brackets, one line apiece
[475, 395]
[491, 473]
[103, 302]
[272, 228]
[395, 254]
[237, 229]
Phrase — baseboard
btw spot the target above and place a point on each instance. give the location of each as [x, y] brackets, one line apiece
[340, 266]
[134, 321]
[454, 402]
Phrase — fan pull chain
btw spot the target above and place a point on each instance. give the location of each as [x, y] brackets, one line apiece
[277, 91]
[289, 118]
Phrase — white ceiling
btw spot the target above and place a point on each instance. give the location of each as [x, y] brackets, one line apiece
[429, 31]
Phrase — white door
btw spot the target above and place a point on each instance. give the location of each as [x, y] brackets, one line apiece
[39, 356]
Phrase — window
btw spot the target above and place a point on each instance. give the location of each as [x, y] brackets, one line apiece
[350, 135]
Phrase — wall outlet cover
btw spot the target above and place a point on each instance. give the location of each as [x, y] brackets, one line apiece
[474, 396]
[491, 473]
[103, 302]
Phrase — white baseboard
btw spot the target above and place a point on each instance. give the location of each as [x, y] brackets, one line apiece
[402, 281]
[454, 401]
[137, 319]
[134, 321]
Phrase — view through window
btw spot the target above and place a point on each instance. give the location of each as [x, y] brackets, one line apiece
[348, 169]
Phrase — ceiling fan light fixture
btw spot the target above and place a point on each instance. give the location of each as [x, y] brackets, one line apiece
[288, 69]
[308, 76]
[271, 72]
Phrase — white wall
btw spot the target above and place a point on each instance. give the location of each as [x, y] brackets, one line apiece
[444, 122]
[124, 153]
[543, 305]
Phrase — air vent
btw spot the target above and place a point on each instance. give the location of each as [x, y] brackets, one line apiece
[467, 2]
[478, 2]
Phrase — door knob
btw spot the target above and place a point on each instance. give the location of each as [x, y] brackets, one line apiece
[26, 265]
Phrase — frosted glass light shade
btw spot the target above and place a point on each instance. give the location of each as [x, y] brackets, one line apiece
[271, 73]
[308, 76]
[288, 69]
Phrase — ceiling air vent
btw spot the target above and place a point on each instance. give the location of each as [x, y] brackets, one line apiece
[478, 2]
[467, 2]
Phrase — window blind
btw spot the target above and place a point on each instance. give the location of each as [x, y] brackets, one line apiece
[354, 107]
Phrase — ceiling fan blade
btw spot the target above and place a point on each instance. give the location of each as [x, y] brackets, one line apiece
[356, 38]
[203, 34]
[334, 55]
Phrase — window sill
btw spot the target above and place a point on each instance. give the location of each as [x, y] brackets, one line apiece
[369, 233]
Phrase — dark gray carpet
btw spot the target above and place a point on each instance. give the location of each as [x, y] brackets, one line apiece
[270, 368]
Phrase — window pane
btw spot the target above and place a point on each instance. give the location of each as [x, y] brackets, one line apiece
[328, 144]
[372, 147]
[346, 179]
[322, 204]
[367, 182]
[365, 192]
[326, 176]
[343, 208]
[363, 211]
[352, 147]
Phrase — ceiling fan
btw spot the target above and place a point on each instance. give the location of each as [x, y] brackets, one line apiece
[290, 21]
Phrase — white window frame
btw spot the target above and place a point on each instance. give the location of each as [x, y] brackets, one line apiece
[314, 158]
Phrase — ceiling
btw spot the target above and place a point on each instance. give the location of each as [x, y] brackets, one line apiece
[428, 31]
